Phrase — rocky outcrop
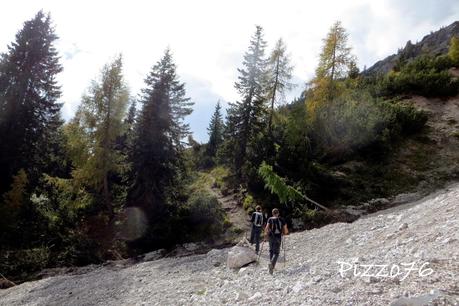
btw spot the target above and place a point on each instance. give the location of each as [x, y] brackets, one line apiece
[405, 255]
[435, 43]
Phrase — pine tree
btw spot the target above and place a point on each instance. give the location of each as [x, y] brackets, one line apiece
[29, 93]
[215, 131]
[158, 147]
[127, 139]
[99, 121]
[247, 118]
[279, 76]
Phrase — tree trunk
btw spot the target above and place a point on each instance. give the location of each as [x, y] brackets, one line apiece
[274, 95]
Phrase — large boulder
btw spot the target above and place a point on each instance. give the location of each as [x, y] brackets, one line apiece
[239, 256]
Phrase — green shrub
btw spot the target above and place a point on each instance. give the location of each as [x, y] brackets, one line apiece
[204, 216]
[249, 204]
[220, 175]
[21, 263]
[404, 119]
[425, 75]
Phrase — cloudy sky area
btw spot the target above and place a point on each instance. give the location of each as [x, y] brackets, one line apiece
[208, 38]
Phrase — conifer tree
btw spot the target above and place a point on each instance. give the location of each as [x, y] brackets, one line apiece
[279, 76]
[29, 107]
[157, 158]
[248, 117]
[99, 121]
[215, 131]
[335, 60]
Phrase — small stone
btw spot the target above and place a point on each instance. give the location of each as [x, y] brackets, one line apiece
[255, 296]
[336, 289]
[298, 287]
[448, 240]
[287, 290]
[240, 296]
[316, 279]
[371, 280]
[403, 226]
[376, 290]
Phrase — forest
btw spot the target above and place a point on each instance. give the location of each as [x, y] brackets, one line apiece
[125, 176]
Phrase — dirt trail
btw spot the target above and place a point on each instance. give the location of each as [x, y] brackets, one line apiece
[236, 214]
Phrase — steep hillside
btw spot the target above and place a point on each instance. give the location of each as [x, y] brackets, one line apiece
[418, 164]
[434, 44]
[420, 236]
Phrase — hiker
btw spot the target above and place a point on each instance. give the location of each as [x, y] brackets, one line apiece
[275, 228]
[257, 225]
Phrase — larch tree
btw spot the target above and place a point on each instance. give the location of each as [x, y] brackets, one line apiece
[453, 51]
[29, 94]
[279, 76]
[99, 123]
[157, 157]
[335, 60]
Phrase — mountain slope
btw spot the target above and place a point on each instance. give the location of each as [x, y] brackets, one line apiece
[426, 231]
[434, 44]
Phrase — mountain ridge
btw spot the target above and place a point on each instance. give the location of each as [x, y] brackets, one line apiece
[435, 43]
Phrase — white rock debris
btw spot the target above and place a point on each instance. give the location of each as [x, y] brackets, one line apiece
[406, 255]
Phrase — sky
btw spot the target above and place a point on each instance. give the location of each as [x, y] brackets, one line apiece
[208, 38]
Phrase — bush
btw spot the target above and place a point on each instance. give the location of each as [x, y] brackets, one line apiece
[19, 264]
[345, 125]
[204, 216]
[404, 118]
[249, 204]
[426, 76]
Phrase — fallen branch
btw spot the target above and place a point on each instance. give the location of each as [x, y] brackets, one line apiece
[7, 279]
[315, 203]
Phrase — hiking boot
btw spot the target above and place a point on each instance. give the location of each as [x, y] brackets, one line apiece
[270, 268]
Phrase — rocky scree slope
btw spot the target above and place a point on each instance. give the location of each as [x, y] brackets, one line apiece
[425, 231]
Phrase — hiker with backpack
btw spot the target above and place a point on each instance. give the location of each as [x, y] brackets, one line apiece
[275, 228]
[257, 221]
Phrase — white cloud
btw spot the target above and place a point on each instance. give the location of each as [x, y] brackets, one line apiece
[208, 38]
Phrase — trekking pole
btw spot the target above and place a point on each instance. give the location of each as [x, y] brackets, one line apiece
[261, 250]
[283, 248]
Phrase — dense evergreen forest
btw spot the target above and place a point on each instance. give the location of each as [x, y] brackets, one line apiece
[125, 176]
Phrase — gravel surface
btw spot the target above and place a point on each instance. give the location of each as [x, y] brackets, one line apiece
[417, 242]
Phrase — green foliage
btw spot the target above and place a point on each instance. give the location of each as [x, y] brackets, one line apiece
[246, 118]
[335, 56]
[158, 165]
[21, 263]
[249, 204]
[203, 216]
[12, 203]
[278, 186]
[215, 130]
[346, 124]
[425, 75]
[403, 119]
[453, 52]
[95, 129]
[279, 74]
[29, 107]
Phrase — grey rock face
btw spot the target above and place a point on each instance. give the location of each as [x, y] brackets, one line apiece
[434, 44]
